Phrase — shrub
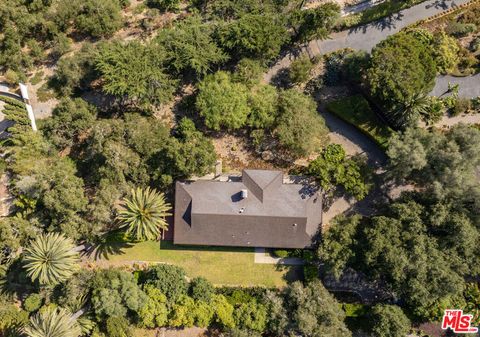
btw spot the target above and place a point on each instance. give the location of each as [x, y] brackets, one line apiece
[164, 5]
[300, 69]
[118, 327]
[248, 72]
[169, 279]
[11, 317]
[251, 315]
[462, 105]
[310, 272]
[458, 29]
[12, 77]
[300, 129]
[280, 253]
[32, 303]
[201, 289]
[239, 296]
[354, 309]
[223, 103]
[445, 51]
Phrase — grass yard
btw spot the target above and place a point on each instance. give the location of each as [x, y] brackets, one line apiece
[222, 266]
[356, 111]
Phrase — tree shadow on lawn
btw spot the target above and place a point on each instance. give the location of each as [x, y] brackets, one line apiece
[111, 244]
[291, 273]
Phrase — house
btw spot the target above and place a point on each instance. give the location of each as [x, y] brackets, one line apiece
[258, 210]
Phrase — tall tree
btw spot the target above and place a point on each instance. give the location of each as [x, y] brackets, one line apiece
[135, 73]
[389, 321]
[69, 119]
[98, 19]
[143, 214]
[332, 167]
[189, 46]
[254, 35]
[402, 68]
[318, 22]
[115, 293]
[300, 129]
[222, 102]
[50, 258]
[314, 312]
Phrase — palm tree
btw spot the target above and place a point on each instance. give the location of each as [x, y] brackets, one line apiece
[412, 109]
[52, 323]
[143, 214]
[51, 258]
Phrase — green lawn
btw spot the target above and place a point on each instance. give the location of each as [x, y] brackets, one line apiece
[356, 111]
[222, 266]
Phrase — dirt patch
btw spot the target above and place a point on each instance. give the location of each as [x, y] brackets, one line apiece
[41, 109]
[236, 154]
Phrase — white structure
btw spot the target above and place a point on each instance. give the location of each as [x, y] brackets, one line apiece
[26, 99]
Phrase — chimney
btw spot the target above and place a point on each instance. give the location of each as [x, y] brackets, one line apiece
[244, 194]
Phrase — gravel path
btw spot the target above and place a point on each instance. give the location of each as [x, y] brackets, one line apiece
[367, 36]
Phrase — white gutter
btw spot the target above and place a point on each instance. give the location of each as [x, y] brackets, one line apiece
[26, 99]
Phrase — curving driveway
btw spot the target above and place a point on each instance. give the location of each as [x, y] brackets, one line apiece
[468, 87]
[367, 36]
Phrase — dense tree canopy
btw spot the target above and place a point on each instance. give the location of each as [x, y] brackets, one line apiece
[253, 35]
[135, 73]
[98, 19]
[115, 293]
[263, 101]
[222, 102]
[314, 311]
[299, 127]
[423, 245]
[170, 280]
[189, 46]
[69, 119]
[389, 321]
[316, 23]
[445, 163]
[332, 168]
[402, 67]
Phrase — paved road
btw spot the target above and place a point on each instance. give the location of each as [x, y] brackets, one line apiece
[367, 36]
[468, 86]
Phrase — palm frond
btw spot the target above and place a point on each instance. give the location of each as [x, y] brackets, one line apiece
[143, 214]
[52, 323]
[51, 259]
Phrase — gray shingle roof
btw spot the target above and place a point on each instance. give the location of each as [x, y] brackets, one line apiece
[272, 215]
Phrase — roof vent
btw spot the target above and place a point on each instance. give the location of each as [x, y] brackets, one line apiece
[244, 194]
[241, 210]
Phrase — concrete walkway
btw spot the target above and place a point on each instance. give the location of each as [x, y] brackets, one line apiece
[367, 36]
[263, 258]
